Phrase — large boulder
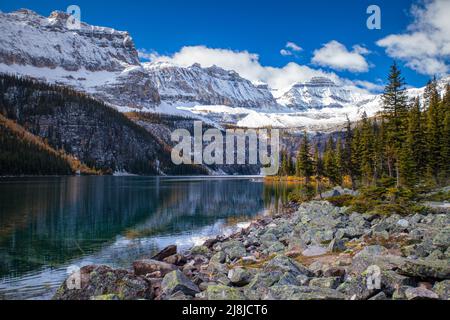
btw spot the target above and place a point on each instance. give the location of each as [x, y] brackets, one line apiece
[239, 276]
[284, 264]
[426, 269]
[176, 281]
[101, 282]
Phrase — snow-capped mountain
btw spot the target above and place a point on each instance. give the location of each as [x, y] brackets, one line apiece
[97, 60]
[207, 86]
[320, 93]
[104, 63]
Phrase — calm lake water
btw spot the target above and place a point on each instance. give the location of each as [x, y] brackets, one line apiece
[48, 225]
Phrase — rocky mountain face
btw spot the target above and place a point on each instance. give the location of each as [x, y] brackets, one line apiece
[207, 86]
[96, 60]
[321, 93]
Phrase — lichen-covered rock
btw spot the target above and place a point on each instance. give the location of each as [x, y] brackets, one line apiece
[220, 292]
[391, 280]
[435, 269]
[420, 293]
[356, 287]
[284, 264]
[239, 276]
[442, 239]
[289, 292]
[103, 281]
[201, 250]
[177, 281]
[442, 289]
[328, 282]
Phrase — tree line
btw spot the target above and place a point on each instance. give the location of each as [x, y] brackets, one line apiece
[408, 143]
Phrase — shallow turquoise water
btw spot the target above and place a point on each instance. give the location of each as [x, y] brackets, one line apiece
[50, 224]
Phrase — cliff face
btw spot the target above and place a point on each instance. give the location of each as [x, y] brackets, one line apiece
[208, 86]
[96, 60]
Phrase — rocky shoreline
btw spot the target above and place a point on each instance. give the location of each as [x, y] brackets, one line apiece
[315, 252]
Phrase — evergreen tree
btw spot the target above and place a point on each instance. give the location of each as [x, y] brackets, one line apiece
[395, 111]
[305, 166]
[434, 130]
[416, 139]
[367, 151]
[330, 162]
[318, 169]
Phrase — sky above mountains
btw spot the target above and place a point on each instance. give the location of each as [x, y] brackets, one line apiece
[280, 42]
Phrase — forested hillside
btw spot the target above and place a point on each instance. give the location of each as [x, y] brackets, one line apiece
[88, 129]
[22, 153]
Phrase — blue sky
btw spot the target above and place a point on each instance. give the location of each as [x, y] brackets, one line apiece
[263, 28]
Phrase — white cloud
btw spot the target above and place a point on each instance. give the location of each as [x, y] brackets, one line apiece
[285, 52]
[290, 49]
[293, 46]
[336, 56]
[425, 45]
[145, 55]
[248, 66]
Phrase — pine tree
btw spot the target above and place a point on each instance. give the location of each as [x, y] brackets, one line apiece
[367, 151]
[318, 169]
[445, 151]
[395, 111]
[434, 130]
[339, 160]
[330, 163]
[416, 139]
[304, 161]
[347, 163]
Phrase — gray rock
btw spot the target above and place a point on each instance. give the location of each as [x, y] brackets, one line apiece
[437, 269]
[356, 287]
[200, 250]
[337, 245]
[104, 281]
[239, 276]
[379, 296]
[289, 292]
[391, 280]
[442, 289]
[442, 239]
[166, 252]
[264, 279]
[403, 223]
[218, 257]
[147, 266]
[327, 282]
[420, 293]
[177, 281]
[220, 292]
[285, 264]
